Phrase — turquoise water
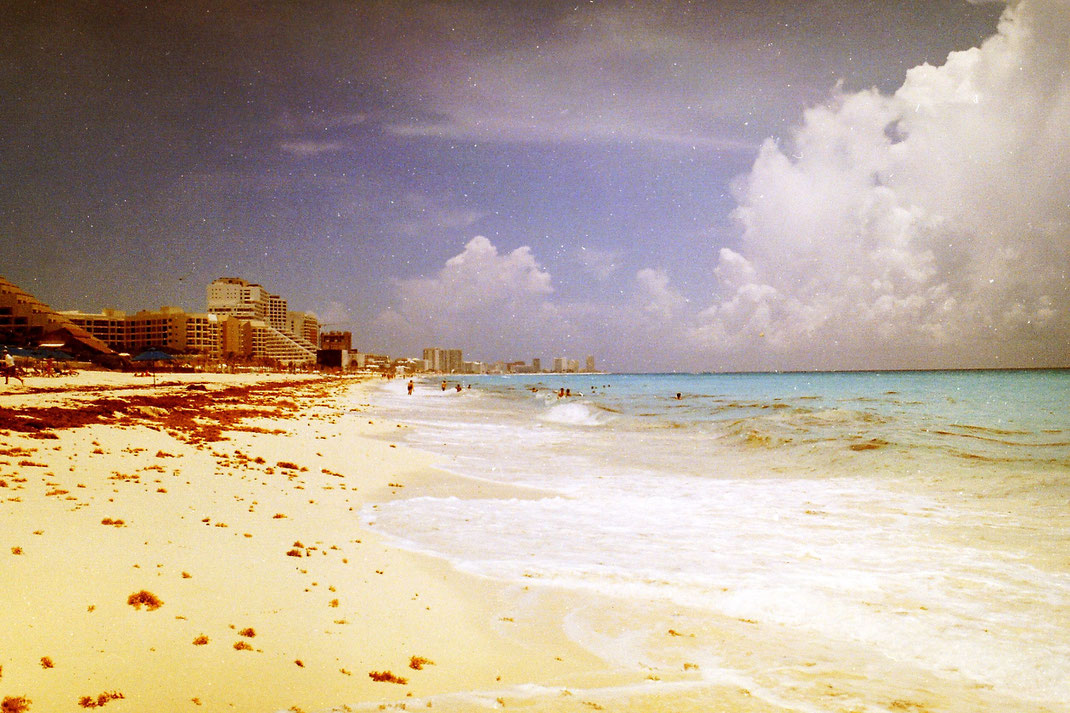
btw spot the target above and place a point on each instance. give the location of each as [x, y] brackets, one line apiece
[871, 523]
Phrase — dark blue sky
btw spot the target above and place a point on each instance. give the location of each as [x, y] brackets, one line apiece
[344, 154]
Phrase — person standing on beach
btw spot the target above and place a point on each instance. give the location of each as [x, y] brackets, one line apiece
[410, 387]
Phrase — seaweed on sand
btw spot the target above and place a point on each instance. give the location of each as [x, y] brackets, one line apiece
[387, 677]
[150, 600]
[100, 701]
[15, 704]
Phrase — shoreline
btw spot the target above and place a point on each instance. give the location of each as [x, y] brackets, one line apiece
[236, 504]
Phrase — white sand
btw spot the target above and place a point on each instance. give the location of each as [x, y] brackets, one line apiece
[200, 531]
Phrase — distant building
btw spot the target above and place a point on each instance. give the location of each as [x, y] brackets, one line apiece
[337, 340]
[560, 364]
[536, 365]
[304, 325]
[475, 367]
[446, 361]
[26, 321]
[374, 362]
[435, 359]
[454, 361]
[169, 328]
[590, 364]
[336, 350]
[277, 333]
[403, 367]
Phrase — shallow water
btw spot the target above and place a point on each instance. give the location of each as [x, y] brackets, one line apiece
[861, 541]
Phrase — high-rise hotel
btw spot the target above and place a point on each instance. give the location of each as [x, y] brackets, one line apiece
[243, 320]
[266, 326]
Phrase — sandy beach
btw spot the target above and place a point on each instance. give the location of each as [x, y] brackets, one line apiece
[196, 545]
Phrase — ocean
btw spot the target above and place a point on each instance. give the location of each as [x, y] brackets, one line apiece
[886, 541]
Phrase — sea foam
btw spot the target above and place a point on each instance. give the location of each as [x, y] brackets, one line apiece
[894, 558]
[573, 414]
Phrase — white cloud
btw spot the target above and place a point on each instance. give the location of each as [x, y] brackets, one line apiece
[656, 297]
[479, 297]
[503, 306]
[920, 228]
[433, 215]
[309, 147]
[926, 228]
[334, 315]
[602, 264]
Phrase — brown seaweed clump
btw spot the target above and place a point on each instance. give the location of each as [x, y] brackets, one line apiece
[100, 701]
[416, 663]
[191, 416]
[387, 677]
[15, 704]
[150, 600]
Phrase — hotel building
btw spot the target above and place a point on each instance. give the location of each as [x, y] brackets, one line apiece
[25, 321]
[267, 328]
[337, 340]
[447, 361]
[243, 320]
[169, 328]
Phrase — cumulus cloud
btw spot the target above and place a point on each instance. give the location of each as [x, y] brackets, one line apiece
[480, 296]
[929, 227]
[656, 296]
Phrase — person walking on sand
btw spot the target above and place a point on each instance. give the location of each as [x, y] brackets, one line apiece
[10, 370]
[410, 387]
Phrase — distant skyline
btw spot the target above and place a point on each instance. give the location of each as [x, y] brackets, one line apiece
[673, 185]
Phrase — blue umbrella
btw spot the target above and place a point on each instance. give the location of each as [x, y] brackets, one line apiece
[56, 354]
[152, 356]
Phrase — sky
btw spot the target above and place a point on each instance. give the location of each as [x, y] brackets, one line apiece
[668, 186]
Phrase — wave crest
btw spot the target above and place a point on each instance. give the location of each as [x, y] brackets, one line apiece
[573, 414]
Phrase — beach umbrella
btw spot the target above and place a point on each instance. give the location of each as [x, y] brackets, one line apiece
[56, 354]
[151, 356]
